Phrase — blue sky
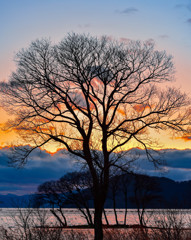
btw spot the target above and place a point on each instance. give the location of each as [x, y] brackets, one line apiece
[167, 22]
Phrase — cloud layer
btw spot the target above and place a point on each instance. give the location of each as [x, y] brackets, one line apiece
[176, 164]
[44, 166]
[41, 167]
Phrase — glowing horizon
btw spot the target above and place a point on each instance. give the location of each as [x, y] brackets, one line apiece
[179, 143]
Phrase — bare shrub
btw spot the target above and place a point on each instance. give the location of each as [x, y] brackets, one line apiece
[171, 224]
[30, 224]
[114, 233]
[125, 233]
[43, 234]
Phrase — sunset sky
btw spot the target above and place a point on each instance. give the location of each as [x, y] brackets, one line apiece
[165, 22]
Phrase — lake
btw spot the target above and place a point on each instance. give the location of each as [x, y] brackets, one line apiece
[8, 216]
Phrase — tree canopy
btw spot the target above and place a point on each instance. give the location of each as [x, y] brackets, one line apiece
[94, 89]
[92, 94]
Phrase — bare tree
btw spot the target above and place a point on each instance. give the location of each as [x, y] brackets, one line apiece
[124, 187]
[51, 195]
[146, 191]
[171, 224]
[114, 188]
[29, 223]
[73, 188]
[79, 187]
[87, 93]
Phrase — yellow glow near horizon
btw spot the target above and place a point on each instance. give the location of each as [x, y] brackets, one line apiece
[164, 141]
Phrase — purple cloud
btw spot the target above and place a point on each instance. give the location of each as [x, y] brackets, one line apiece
[163, 36]
[84, 25]
[128, 10]
[179, 6]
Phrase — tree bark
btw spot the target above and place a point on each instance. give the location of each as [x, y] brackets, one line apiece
[99, 200]
[98, 230]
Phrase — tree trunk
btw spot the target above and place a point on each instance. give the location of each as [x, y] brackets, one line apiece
[58, 218]
[114, 209]
[100, 187]
[60, 210]
[99, 201]
[125, 216]
[105, 216]
[98, 231]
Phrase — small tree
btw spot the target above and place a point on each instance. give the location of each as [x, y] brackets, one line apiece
[87, 93]
[171, 224]
[146, 191]
[51, 195]
[114, 188]
[124, 189]
[73, 188]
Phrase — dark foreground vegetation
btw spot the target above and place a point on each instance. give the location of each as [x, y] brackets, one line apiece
[74, 190]
[141, 192]
[32, 225]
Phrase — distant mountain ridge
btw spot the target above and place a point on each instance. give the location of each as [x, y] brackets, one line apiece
[171, 195]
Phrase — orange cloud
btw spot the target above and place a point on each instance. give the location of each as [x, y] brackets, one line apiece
[121, 111]
[140, 107]
[38, 128]
[185, 138]
[59, 105]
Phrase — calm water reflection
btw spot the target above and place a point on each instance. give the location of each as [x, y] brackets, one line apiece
[74, 217]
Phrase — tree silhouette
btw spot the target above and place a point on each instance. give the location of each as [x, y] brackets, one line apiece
[125, 181]
[146, 190]
[114, 188]
[90, 94]
[73, 188]
[51, 195]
